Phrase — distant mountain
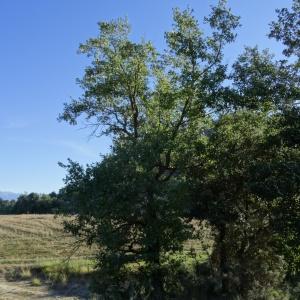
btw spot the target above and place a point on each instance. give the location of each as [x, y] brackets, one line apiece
[9, 195]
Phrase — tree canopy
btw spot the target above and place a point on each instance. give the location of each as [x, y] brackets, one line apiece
[193, 141]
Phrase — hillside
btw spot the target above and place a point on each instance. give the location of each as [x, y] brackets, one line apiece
[31, 238]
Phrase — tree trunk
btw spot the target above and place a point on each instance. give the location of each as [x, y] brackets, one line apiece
[158, 292]
[154, 251]
[223, 266]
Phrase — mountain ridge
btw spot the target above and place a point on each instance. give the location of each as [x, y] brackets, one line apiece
[9, 195]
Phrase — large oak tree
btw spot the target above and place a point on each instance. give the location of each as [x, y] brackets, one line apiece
[192, 139]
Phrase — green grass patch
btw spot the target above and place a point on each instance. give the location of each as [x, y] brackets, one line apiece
[36, 281]
[62, 272]
[53, 272]
[25, 273]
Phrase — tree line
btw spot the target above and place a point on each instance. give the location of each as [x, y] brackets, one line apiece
[34, 203]
[195, 141]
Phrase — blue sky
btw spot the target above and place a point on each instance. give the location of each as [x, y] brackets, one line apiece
[39, 66]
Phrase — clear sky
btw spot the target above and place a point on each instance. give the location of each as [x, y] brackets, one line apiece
[39, 66]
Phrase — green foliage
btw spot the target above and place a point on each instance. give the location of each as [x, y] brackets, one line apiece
[286, 29]
[34, 203]
[128, 203]
[6, 206]
[36, 282]
[260, 83]
[191, 140]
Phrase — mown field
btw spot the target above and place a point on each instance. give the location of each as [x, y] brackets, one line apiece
[38, 259]
[32, 238]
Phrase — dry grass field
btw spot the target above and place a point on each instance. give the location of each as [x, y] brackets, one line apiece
[37, 260]
[31, 238]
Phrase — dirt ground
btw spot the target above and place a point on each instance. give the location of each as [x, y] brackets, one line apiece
[23, 290]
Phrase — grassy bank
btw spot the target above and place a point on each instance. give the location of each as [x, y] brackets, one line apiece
[52, 272]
